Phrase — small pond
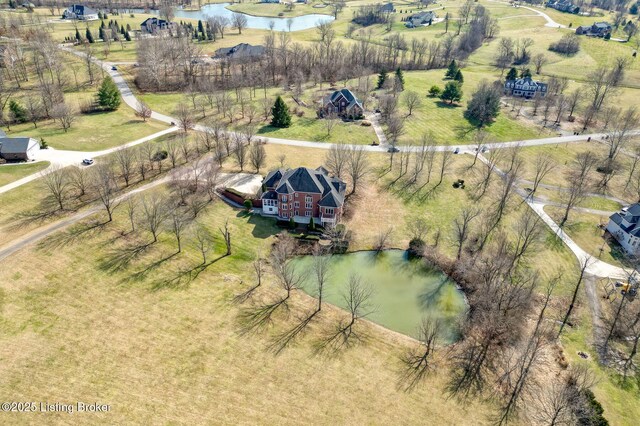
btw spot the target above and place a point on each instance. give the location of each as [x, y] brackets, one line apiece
[298, 23]
[403, 290]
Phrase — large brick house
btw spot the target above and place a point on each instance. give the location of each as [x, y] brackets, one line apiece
[153, 25]
[303, 194]
[343, 103]
[525, 88]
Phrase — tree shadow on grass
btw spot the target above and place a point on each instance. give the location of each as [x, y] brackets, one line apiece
[183, 277]
[283, 340]
[339, 338]
[257, 317]
[72, 235]
[121, 257]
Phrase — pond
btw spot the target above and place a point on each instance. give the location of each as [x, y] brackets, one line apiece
[403, 290]
[298, 23]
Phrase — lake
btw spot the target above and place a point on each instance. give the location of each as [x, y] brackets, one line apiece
[303, 22]
[403, 290]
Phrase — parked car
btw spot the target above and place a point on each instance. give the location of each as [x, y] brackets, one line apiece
[87, 161]
[393, 149]
[114, 68]
[456, 151]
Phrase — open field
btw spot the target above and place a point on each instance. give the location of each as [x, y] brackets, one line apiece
[13, 172]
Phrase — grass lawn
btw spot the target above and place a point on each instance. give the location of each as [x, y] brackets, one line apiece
[12, 172]
[92, 132]
[279, 9]
[181, 340]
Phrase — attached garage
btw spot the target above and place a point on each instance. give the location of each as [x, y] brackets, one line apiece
[18, 149]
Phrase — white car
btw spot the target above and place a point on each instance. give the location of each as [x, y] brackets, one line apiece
[87, 161]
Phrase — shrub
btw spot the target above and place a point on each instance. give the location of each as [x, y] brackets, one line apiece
[247, 204]
[43, 144]
[312, 225]
[160, 155]
[569, 44]
[416, 247]
[292, 223]
[17, 112]
[434, 91]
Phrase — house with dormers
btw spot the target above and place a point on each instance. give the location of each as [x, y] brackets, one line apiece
[80, 12]
[624, 226]
[344, 104]
[154, 24]
[598, 29]
[302, 194]
[525, 88]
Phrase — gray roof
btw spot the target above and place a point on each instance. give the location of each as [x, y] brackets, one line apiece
[311, 181]
[81, 10]
[17, 145]
[240, 51]
[272, 178]
[348, 95]
[628, 221]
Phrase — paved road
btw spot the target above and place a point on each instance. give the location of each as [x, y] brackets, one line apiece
[62, 158]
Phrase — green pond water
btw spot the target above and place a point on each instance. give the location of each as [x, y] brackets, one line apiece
[403, 290]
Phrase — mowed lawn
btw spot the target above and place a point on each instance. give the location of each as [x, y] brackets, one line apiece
[171, 351]
[12, 172]
[91, 132]
[447, 122]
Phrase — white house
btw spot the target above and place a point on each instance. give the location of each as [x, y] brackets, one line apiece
[525, 88]
[624, 226]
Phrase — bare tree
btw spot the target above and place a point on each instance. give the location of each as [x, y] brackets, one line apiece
[321, 271]
[125, 162]
[239, 22]
[203, 242]
[185, 117]
[257, 155]
[544, 165]
[462, 227]
[382, 239]
[412, 100]
[418, 362]
[226, 236]
[106, 188]
[620, 132]
[584, 264]
[178, 224]
[337, 159]
[143, 111]
[131, 206]
[64, 114]
[330, 121]
[358, 302]
[357, 166]
[154, 214]
[78, 180]
[579, 183]
[240, 152]
[539, 61]
[56, 182]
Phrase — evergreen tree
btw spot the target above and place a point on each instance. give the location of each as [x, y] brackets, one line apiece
[122, 31]
[280, 114]
[452, 70]
[101, 33]
[512, 74]
[200, 27]
[127, 36]
[484, 105]
[452, 92]
[78, 36]
[102, 24]
[89, 35]
[399, 80]
[458, 77]
[382, 78]
[312, 224]
[108, 95]
[128, 27]
[17, 112]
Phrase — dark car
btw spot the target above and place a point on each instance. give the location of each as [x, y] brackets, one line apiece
[114, 68]
[456, 151]
[393, 149]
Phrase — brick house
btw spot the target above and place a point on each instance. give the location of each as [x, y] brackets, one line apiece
[303, 194]
[343, 103]
[153, 25]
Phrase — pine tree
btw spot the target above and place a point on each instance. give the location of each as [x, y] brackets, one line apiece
[452, 70]
[452, 92]
[200, 27]
[512, 74]
[78, 36]
[127, 36]
[382, 78]
[458, 77]
[122, 31]
[17, 112]
[280, 114]
[101, 33]
[89, 35]
[399, 80]
[108, 95]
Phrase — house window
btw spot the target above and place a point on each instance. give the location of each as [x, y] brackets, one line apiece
[307, 213]
[284, 207]
[296, 195]
[328, 210]
[297, 213]
[296, 204]
[285, 214]
[308, 205]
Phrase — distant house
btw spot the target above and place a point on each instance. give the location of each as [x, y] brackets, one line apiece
[563, 6]
[599, 29]
[80, 12]
[240, 52]
[153, 25]
[525, 88]
[420, 19]
[387, 8]
[18, 148]
[270, 1]
[624, 226]
[303, 194]
[344, 104]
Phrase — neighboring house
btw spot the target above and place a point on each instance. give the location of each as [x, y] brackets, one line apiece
[270, 1]
[599, 29]
[153, 25]
[625, 227]
[525, 88]
[387, 8]
[18, 148]
[563, 6]
[303, 194]
[80, 12]
[420, 19]
[343, 103]
[240, 52]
